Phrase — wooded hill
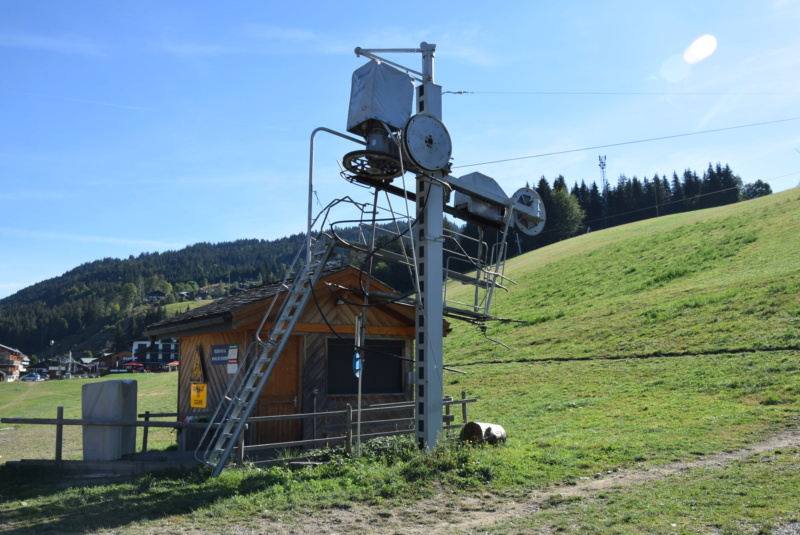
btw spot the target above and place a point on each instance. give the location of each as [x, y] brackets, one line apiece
[103, 305]
[110, 296]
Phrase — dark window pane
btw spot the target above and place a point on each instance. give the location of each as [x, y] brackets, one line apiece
[383, 373]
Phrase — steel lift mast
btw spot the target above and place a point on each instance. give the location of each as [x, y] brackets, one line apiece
[429, 254]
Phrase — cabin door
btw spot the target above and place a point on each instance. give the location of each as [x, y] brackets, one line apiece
[281, 396]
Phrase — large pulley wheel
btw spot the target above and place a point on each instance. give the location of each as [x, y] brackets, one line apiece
[427, 142]
[372, 164]
[529, 215]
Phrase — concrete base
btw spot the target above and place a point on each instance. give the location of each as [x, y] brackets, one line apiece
[108, 400]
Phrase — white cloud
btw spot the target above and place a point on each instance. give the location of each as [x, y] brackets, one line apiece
[64, 43]
[10, 286]
[700, 49]
[259, 41]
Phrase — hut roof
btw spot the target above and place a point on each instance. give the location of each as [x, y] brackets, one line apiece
[221, 312]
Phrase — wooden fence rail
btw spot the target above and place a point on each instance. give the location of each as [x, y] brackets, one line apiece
[59, 421]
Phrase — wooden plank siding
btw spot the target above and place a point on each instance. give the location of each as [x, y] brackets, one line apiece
[216, 376]
[281, 395]
[316, 378]
[302, 375]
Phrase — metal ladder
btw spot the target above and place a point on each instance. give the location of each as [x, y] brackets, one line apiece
[238, 402]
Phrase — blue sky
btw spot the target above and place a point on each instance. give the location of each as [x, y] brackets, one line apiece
[130, 127]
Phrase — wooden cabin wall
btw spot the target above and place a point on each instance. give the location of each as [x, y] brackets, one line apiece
[386, 322]
[345, 314]
[382, 323]
[216, 376]
[281, 395]
[315, 378]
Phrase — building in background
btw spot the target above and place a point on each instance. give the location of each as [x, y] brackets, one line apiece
[155, 355]
[13, 363]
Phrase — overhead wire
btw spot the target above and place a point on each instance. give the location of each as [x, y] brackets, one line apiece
[627, 143]
[622, 93]
[412, 221]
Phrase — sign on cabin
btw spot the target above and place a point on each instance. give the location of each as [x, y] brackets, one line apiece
[198, 397]
[227, 355]
[197, 375]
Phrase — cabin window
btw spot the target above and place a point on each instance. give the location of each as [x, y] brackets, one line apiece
[383, 373]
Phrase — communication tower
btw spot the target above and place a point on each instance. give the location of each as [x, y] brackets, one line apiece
[605, 190]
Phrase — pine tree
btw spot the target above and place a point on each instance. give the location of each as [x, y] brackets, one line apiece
[594, 213]
[677, 198]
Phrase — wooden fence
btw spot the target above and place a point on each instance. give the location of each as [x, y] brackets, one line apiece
[344, 433]
[341, 432]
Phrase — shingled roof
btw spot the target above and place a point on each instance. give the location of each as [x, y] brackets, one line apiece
[220, 311]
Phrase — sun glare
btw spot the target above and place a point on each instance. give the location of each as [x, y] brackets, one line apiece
[701, 48]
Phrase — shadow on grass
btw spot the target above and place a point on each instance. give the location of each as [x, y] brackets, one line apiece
[41, 501]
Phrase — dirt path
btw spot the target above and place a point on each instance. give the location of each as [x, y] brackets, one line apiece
[447, 513]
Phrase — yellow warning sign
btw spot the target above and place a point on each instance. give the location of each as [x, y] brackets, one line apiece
[197, 368]
[198, 397]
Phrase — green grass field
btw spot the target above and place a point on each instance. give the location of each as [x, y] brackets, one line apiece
[157, 393]
[173, 309]
[722, 280]
[667, 340]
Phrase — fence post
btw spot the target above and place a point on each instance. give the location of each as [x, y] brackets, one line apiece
[464, 406]
[145, 431]
[59, 432]
[316, 393]
[349, 433]
[240, 453]
[446, 414]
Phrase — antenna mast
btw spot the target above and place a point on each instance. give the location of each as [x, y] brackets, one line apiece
[605, 190]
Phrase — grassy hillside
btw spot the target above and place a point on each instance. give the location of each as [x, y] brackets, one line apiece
[719, 280]
[666, 340]
[174, 309]
[668, 336]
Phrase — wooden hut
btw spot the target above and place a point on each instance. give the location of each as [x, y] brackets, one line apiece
[315, 371]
